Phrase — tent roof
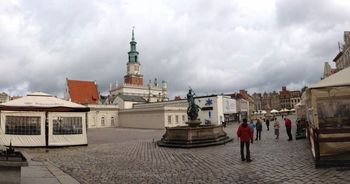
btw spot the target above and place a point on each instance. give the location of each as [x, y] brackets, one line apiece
[42, 102]
[341, 78]
[284, 110]
[274, 111]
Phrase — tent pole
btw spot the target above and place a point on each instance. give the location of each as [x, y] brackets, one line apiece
[46, 129]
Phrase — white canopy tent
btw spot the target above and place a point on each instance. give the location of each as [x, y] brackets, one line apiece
[328, 108]
[39, 119]
[274, 111]
[284, 110]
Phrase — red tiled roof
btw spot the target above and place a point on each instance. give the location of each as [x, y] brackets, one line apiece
[83, 92]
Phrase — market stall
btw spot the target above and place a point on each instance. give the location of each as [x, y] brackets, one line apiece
[39, 119]
[328, 113]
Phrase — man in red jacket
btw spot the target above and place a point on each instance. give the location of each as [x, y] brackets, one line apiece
[244, 133]
[288, 124]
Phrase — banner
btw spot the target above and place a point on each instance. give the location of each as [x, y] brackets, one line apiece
[229, 106]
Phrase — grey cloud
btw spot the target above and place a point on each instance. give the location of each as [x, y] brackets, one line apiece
[317, 15]
[212, 46]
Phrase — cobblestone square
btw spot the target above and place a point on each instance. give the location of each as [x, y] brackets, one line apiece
[120, 155]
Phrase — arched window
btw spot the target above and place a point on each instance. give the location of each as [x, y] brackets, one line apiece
[112, 121]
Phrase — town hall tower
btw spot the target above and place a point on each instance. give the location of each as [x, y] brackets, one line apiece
[133, 76]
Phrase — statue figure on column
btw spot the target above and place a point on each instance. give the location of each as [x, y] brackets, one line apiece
[193, 108]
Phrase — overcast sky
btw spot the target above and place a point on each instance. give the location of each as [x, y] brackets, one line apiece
[212, 46]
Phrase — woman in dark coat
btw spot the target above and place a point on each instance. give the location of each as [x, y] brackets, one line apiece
[258, 129]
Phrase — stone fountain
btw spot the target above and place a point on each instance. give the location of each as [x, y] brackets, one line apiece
[195, 134]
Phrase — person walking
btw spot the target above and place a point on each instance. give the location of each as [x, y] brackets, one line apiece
[288, 124]
[276, 126]
[244, 133]
[267, 124]
[258, 127]
[252, 127]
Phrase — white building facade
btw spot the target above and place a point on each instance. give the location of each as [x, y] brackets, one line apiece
[4, 97]
[212, 109]
[155, 115]
[102, 116]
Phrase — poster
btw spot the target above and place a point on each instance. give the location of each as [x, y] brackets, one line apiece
[229, 106]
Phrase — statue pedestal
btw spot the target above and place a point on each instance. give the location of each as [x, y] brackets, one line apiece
[10, 167]
[193, 123]
[192, 137]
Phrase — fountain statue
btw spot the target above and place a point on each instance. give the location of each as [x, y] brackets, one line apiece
[192, 110]
[195, 134]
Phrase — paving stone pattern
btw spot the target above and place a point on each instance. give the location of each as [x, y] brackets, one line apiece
[117, 155]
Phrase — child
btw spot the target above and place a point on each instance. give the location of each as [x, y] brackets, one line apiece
[252, 126]
[276, 126]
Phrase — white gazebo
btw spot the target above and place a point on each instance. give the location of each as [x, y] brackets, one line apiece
[39, 119]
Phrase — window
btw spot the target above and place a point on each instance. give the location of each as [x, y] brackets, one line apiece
[67, 125]
[112, 121]
[103, 121]
[183, 118]
[169, 119]
[177, 119]
[22, 125]
[334, 113]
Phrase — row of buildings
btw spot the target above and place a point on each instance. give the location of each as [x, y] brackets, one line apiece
[257, 102]
[341, 60]
[284, 99]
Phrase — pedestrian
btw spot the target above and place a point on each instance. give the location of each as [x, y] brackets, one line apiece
[244, 133]
[288, 124]
[276, 126]
[258, 127]
[252, 127]
[267, 124]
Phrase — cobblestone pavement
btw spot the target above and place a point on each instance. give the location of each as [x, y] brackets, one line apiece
[117, 155]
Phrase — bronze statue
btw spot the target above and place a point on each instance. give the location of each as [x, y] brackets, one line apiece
[192, 110]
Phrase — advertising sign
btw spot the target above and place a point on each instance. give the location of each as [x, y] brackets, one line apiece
[229, 106]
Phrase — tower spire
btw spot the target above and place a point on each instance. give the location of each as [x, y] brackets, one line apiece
[132, 35]
[133, 43]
